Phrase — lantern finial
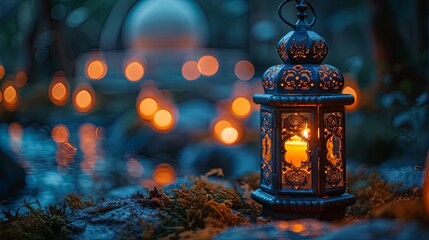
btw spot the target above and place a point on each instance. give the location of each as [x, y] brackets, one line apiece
[302, 6]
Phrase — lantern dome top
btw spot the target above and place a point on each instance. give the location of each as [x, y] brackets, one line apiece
[302, 52]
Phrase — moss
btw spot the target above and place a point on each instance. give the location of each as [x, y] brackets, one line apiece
[35, 223]
[205, 209]
[201, 211]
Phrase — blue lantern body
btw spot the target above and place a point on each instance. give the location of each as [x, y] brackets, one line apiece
[303, 160]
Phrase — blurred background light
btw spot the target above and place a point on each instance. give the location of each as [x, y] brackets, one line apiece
[60, 134]
[96, 69]
[208, 65]
[190, 71]
[244, 70]
[84, 98]
[134, 71]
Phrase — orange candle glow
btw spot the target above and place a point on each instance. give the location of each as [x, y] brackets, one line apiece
[296, 151]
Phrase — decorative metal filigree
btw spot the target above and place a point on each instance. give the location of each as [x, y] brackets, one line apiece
[281, 49]
[299, 50]
[294, 125]
[296, 174]
[296, 78]
[270, 75]
[295, 177]
[334, 138]
[320, 50]
[330, 79]
[267, 136]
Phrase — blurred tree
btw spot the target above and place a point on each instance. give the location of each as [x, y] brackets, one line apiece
[400, 30]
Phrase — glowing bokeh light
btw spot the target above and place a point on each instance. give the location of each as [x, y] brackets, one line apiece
[2, 72]
[147, 107]
[59, 91]
[164, 174]
[282, 225]
[244, 70]
[134, 71]
[208, 65]
[60, 134]
[96, 69]
[134, 168]
[229, 135]
[15, 131]
[220, 126]
[21, 79]
[241, 107]
[298, 228]
[163, 120]
[84, 98]
[10, 96]
[350, 90]
[1, 96]
[190, 71]
[88, 138]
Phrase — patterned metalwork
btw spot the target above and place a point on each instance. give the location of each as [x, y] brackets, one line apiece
[334, 150]
[281, 49]
[269, 81]
[267, 149]
[320, 50]
[330, 79]
[299, 50]
[295, 175]
[296, 78]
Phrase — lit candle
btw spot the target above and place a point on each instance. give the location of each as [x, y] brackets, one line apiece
[296, 151]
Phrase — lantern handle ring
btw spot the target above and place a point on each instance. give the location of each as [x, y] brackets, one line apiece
[302, 5]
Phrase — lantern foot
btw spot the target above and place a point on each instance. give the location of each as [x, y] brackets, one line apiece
[290, 208]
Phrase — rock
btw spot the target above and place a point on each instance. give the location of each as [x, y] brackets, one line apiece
[113, 219]
[297, 229]
[380, 229]
[407, 176]
[12, 176]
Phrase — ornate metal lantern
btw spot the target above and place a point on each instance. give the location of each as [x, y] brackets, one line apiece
[303, 164]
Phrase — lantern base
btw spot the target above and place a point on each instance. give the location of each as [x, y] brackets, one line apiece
[290, 208]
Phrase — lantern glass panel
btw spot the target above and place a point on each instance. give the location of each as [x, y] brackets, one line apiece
[296, 164]
[334, 137]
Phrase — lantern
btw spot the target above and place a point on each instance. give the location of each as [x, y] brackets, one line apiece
[303, 162]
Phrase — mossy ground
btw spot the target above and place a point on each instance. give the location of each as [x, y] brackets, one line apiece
[206, 208]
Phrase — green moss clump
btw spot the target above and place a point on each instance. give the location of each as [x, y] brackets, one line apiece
[201, 211]
[41, 223]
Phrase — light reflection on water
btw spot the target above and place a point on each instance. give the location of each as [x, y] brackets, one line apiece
[54, 169]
